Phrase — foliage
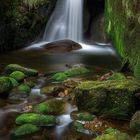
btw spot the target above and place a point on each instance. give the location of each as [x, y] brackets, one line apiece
[34, 3]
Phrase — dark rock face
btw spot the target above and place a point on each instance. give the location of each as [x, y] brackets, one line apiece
[20, 25]
[61, 46]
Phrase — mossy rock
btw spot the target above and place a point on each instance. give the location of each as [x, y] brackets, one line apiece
[15, 67]
[52, 90]
[111, 98]
[52, 106]
[82, 116]
[25, 130]
[5, 85]
[18, 75]
[113, 134]
[135, 123]
[76, 71]
[59, 76]
[77, 126]
[31, 84]
[23, 88]
[36, 119]
[117, 76]
[14, 82]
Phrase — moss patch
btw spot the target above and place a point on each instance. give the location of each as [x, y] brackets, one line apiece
[52, 106]
[18, 75]
[25, 130]
[36, 119]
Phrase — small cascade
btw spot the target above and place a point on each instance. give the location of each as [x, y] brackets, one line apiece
[65, 22]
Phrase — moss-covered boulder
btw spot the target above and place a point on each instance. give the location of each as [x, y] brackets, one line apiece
[117, 76]
[111, 98]
[31, 84]
[5, 85]
[23, 88]
[77, 126]
[15, 67]
[14, 82]
[60, 76]
[114, 135]
[77, 70]
[52, 90]
[74, 71]
[135, 123]
[82, 116]
[52, 106]
[18, 75]
[36, 119]
[25, 130]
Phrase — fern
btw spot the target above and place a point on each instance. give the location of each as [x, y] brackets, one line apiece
[33, 3]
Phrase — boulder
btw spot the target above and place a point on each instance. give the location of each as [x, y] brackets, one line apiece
[52, 90]
[111, 98]
[135, 123]
[36, 119]
[18, 75]
[15, 67]
[52, 106]
[23, 88]
[61, 46]
[5, 85]
[25, 130]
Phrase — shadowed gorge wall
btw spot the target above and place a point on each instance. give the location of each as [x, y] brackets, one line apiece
[20, 24]
[123, 27]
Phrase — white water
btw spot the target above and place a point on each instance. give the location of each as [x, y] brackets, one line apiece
[65, 22]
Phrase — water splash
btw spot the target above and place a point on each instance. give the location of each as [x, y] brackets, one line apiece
[65, 22]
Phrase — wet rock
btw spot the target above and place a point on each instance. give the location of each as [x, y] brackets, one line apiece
[59, 76]
[82, 116]
[74, 71]
[113, 135]
[135, 123]
[5, 85]
[117, 76]
[23, 88]
[31, 84]
[14, 82]
[77, 126]
[25, 130]
[36, 119]
[69, 83]
[52, 90]
[15, 67]
[52, 106]
[18, 75]
[111, 98]
[61, 46]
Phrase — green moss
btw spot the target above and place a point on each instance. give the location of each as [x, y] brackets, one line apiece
[24, 130]
[82, 116]
[76, 71]
[36, 119]
[114, 135]
[18, 75]
[117, 76]
[23, 88]
[5, 84]
[14, 82]
[60, 76]
[135, 123]
[78, 126]
[111, 98]
[15, 67]
[52, 106]
[122, 26]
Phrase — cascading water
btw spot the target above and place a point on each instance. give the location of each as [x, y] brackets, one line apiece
[65, 22]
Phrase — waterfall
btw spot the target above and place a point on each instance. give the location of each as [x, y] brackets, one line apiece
[65, 22]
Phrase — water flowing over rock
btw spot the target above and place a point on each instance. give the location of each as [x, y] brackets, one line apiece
[65, 22]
